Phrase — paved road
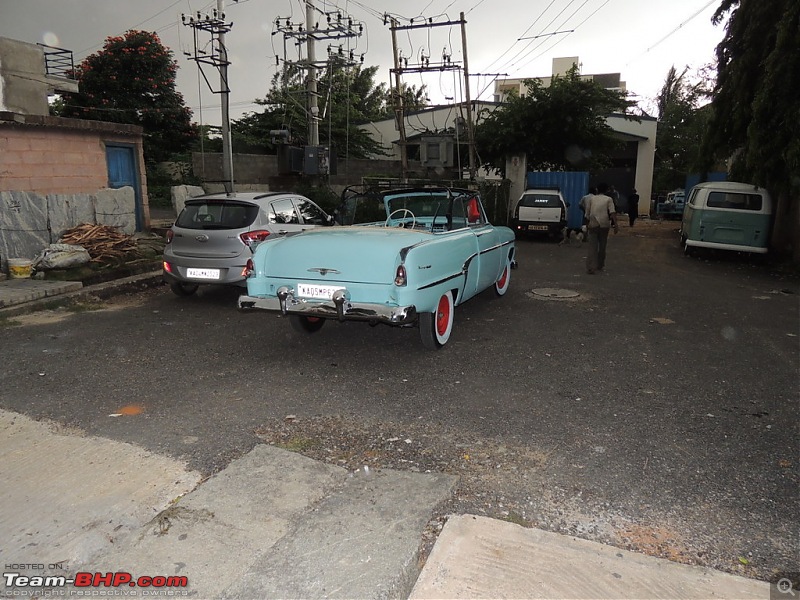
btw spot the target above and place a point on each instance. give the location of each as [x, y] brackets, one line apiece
[656, 411]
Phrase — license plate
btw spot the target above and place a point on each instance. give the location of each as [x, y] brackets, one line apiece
[203, 273]
[318, 292]
[537, 227]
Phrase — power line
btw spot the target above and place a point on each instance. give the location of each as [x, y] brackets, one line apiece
[175, 22]
[527, 51]
[568, 33]
[489, 66]
[671, 33]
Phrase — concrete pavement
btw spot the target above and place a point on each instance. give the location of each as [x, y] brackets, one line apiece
[275, 524]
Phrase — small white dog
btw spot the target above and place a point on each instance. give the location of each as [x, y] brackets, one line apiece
[578, 233]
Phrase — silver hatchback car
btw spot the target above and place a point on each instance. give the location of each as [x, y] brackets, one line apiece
[215, 234]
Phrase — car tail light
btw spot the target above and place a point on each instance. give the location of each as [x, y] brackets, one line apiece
[170, 235]
[167, 267]
[400, 276]
[249, 268]
[259, 235]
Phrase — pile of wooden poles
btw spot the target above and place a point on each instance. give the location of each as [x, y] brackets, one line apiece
[104, 243]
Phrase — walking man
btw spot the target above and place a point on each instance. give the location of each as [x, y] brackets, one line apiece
[602, 215]
[633, 207]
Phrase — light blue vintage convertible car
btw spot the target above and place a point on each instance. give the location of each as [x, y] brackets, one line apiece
[434, 251]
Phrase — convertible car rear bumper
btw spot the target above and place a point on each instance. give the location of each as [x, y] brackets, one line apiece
[339, 307]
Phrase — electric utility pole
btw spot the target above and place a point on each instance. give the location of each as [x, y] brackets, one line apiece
[319, 26]
[401, 66]
[217, 57]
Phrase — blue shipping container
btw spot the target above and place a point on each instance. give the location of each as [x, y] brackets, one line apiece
[574, 185]
[694, 178]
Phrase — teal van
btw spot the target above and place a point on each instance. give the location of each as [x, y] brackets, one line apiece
[728, 216]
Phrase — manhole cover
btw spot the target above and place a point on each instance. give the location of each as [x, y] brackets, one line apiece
[555, 293]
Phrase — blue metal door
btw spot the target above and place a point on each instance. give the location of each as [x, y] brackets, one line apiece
[121, 162]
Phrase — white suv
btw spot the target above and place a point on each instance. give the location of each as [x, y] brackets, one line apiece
[540, 210]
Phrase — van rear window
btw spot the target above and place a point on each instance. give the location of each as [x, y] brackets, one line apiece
[540, 200]
[734, 201]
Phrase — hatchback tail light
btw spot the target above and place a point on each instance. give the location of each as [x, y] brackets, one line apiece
[259, 235]
[170, 235]
[249, 268]
[400, 276]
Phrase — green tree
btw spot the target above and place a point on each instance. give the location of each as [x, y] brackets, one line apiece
[414, 98]
[755, 106]
[681, 125]
[348, 97]
[132, 80]
[559, 127]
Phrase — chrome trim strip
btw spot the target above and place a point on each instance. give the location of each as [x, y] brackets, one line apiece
[445, 280]
[725, 246]
[495, 247]
[340, 308]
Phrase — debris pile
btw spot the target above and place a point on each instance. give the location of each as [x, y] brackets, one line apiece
[103, 242]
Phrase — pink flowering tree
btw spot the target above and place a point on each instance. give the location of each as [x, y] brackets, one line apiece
[132, 80]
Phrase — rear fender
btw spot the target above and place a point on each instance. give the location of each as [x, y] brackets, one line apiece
[436, 267]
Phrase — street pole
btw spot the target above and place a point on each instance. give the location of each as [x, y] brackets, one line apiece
[227, 152]
[470, 130]
[313, 107]
[399, 111]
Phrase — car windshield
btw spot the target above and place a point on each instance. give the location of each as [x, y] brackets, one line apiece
[217, 214]
[422, 204]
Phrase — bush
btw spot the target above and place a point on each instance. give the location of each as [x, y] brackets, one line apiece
[162, 176]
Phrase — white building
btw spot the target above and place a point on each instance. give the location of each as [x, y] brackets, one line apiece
[632, 166]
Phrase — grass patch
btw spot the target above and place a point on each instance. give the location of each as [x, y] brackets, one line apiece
[298, 444]
[81, 307]
[517, 519]
[6, 322]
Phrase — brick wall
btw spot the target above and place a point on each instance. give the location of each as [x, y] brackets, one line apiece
[53, 155]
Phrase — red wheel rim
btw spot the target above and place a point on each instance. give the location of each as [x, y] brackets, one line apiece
[442, 315]
[501, 283]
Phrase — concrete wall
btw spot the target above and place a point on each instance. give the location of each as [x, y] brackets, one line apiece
[259, 172]
[30, 221]
[23, 88]
[644, 128]
[50, 155]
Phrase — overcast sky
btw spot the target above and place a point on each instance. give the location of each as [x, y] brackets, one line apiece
[640, 39]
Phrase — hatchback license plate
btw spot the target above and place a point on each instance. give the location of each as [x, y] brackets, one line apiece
[537, 227]
[203, 273]
[318, 292]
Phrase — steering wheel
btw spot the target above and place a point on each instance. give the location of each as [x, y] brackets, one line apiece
[403, 211]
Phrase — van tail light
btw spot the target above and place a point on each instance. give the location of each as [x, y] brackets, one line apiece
[259, 235]
[400, 276]
[170, 235]
[249, 268]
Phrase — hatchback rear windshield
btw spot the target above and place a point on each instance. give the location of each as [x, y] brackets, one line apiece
[217, 215]
[540, 200]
